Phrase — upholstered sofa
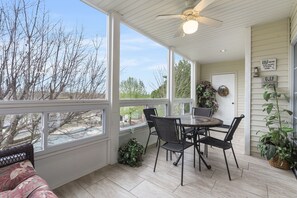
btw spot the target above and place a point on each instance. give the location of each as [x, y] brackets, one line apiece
[18, 178]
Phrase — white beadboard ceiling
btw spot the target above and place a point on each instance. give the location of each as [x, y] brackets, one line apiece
[203, 46]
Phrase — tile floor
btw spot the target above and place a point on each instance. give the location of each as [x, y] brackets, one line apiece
[254, 178]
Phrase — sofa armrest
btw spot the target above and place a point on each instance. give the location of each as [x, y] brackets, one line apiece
[16, 154]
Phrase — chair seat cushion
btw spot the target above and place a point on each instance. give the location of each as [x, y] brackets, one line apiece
[176, 147]
[34, 186]
[14, 174]
[43, 193]
[215, 142]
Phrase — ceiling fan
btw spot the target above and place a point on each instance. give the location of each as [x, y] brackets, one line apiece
[191, 17]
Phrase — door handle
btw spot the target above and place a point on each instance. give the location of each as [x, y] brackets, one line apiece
[232, 102]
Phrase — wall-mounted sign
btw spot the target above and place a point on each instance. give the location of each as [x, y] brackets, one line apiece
[269, 80]
[268, 64]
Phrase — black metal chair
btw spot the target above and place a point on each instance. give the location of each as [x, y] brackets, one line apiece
[171, 132]
[147, 113]
[200, 111]
[223, 144]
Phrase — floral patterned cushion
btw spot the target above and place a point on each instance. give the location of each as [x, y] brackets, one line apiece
[42, 193]
[5, 194]
[10, 194]
[14, 174]
[33, 187]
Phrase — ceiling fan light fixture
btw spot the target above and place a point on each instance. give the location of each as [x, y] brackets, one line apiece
[190, 26]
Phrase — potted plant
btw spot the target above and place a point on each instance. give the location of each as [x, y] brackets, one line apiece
[275, 144]
[206, 96]
[131, 153]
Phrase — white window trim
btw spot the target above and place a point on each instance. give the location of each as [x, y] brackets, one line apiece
[16, 107]
[248, 65]
[46, 107]
[144, 102]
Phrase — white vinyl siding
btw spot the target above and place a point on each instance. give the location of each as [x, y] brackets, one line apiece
[235, 67]
[294, 65]
[268, 41]
[294, 25]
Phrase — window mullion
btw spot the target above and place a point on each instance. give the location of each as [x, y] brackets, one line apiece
[44, 134]
[171, 81]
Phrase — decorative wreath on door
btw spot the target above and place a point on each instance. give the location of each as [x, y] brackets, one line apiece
[223, 91]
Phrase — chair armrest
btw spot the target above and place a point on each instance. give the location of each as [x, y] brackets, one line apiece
[17, 154]
[224, 126]
[218, 131]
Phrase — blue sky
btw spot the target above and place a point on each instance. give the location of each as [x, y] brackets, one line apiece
[140, 57]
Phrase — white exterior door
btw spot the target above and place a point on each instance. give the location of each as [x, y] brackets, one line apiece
[226, 103]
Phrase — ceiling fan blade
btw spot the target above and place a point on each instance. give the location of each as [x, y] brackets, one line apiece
[209, 21]
[202, 4]
[170, 16]
[180, 32]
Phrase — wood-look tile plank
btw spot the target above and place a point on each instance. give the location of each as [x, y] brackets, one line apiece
[127, 180]
[108, 189]
[255, 178]
[221, 174]
[224, 189]
[133, 170]
[272, 172]
[72, 190]
[192, 175]
[91, 178]
[148, 190]
[163, 179]
[249, 183]
[111, 171]
[193, 190]
[282, 190]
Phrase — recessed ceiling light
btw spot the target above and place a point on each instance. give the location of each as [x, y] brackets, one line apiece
[223, 50]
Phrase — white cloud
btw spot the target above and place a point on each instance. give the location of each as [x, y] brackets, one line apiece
[129, 63]
[157, 66]
[130, 39]
[135, 43]
[127, 47]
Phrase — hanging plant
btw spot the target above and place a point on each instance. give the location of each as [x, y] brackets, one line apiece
[206, 96]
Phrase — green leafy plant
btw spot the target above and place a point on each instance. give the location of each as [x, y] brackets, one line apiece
[206, 96]
[276, 142]
[131, 153]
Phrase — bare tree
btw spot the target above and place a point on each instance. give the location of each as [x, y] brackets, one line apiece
[160, 85]
[40, 60]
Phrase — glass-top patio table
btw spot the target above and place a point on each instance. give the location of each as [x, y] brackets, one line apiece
[197, 122]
